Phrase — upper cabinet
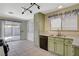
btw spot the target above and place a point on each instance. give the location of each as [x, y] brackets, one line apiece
[40, 21]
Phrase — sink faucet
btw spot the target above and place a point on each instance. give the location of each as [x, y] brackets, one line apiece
[59, 33]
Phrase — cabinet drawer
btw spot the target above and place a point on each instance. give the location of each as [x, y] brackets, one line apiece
[59, 40]
[50, 38]
[68, 41]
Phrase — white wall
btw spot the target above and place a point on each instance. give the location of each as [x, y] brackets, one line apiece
[30, 30]
[23, 30]
[27, 30]
[1, 29]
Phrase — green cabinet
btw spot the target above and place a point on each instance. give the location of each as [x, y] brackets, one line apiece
[60, 46]
[76, 50]
[51, 44]
[39, 21]
[69, 50]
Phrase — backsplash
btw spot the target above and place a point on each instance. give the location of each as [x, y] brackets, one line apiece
[76, 34]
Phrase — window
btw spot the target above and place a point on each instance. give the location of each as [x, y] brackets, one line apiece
[55, 23]
[11, 30]
[69, 22]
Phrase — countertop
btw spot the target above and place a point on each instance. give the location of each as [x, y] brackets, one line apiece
[75, 38]
[45, 34]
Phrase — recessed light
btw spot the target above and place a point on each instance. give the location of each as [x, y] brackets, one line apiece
[10, 12]
[60, 6]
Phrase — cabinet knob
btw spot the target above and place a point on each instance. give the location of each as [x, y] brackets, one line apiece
[66, 45]
[55, 42]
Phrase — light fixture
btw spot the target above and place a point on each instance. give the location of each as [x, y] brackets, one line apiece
[10, 12]
[22, 12]
[38, 7]
[60, 6]
[28, 9]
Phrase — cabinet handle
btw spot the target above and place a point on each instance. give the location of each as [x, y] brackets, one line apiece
[66, 45]
[54, 42]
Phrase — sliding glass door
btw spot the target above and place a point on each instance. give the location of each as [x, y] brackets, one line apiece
[11, 31]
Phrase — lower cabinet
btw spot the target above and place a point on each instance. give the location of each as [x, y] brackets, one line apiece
[69, 50]
[60, 46]
[76, 50]
[51, 46]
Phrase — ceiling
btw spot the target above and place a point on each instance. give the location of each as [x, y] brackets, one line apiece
[14, 10]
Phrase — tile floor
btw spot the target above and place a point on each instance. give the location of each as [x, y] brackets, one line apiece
[26, 48]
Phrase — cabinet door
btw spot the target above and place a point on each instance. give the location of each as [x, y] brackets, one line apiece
[69, 50]
[51, 44]
[76, 50]
[59, 46]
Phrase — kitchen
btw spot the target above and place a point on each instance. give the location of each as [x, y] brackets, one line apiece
[58, 31]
